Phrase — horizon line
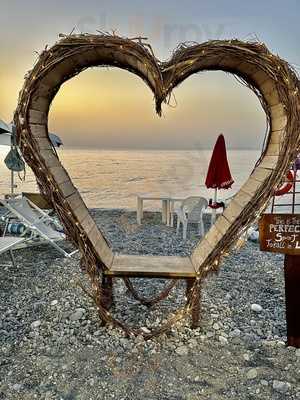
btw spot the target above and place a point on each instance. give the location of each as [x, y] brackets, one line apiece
[91, 147]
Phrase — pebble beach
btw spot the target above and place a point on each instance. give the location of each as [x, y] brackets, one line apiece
[52, 345]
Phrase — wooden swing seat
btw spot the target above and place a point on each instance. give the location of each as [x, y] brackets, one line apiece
[151, 266]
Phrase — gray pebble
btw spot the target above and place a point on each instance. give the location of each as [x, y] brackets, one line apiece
[256, 308]
[182, 350]
[17, 386]
[35, 324]
[78, 314]
[235, 333]
[223, 340]
[281, 387]
[252, 373]
[216, 326]
[263, 382]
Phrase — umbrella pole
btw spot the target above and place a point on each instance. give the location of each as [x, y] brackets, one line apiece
[12, 183]
[214, 211]
[12, 176]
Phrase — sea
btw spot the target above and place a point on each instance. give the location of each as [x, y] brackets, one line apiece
[114, 178]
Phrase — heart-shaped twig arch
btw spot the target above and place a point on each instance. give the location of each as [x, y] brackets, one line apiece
[270, 77]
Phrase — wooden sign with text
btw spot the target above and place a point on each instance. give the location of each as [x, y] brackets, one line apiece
[280, 233]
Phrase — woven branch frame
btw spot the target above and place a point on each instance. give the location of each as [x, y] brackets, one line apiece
[272, 79]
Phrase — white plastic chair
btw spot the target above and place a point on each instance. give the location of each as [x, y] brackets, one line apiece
[191, 211]
[36, 221]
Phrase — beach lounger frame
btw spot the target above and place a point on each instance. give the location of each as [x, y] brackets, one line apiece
[31, 223]
[9, 243]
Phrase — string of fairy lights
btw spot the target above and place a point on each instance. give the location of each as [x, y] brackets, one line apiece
[134, 55]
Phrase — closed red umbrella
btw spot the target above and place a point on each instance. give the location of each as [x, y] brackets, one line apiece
[218, 174]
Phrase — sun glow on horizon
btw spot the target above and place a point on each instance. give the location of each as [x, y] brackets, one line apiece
[115, 109]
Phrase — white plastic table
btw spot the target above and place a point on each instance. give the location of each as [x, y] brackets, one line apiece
[167, 208]
[208, 211]
[165, 200]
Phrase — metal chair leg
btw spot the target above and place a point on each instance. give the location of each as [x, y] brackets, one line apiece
[12, 258]
[178, 226]
[184, 230]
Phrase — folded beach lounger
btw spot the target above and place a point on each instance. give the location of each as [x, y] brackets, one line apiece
[8, 243]
[37, 222]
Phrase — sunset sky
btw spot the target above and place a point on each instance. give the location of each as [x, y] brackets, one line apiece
[113, 108]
